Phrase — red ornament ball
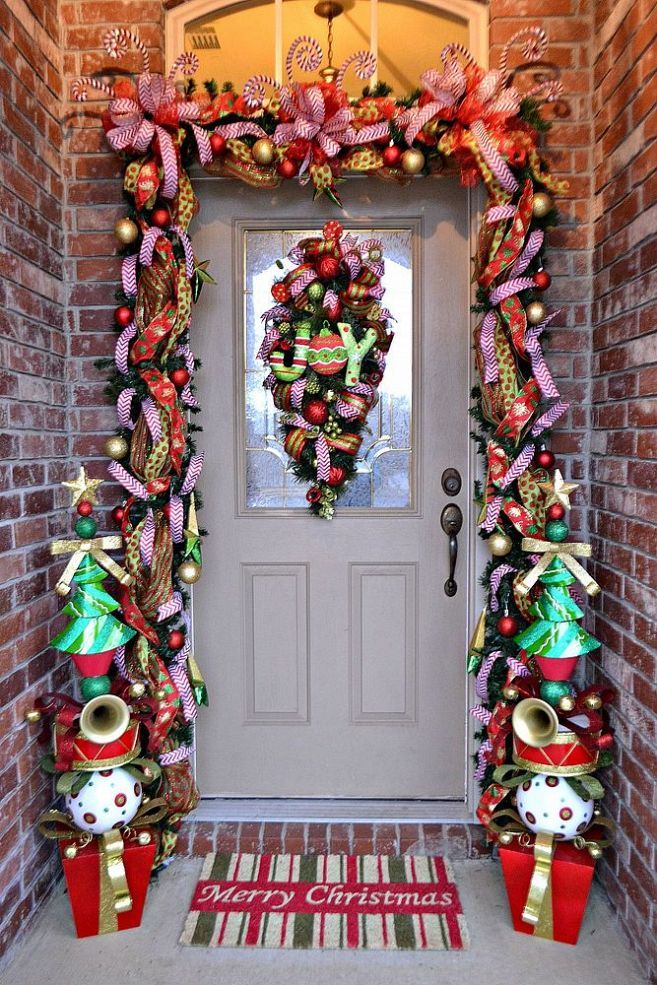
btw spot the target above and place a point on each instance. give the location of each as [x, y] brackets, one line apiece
[166, 510]
[332, 230]
[328, 268]
[287, 168]
[176, 639]
[217, 144]
[314, 494]
[316, 412]
[392, 156]
[117, 514]
[507, 626]
[545, 459]
[161, 217]
[556, 512]
[85, 508]
[280, 292]
[179, 377]
[337, 475]
[542, 280]
[123, 315]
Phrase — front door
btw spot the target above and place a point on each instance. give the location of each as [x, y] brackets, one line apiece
[333, 656]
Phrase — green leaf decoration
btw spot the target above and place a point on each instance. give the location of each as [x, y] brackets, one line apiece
[587, 787]
[509, 776]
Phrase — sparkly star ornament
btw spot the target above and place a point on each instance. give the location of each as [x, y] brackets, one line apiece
[558, 491]
[82, 488]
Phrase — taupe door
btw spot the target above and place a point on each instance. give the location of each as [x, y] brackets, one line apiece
[334, 658]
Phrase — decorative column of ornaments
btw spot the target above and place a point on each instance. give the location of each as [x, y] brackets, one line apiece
[96, 747]
[557, 738]
[325, 343]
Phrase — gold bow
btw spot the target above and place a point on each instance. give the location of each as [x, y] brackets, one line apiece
[565, 553]
[96, 548]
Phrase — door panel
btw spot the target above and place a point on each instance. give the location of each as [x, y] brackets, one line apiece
[333, 657]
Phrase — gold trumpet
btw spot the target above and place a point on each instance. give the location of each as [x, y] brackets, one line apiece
[535, 722]
[104, 719]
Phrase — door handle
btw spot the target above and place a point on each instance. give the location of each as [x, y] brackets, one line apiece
[451, 520]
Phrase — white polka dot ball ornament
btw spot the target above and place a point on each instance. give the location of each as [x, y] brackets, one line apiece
[109, 799]
[548, 803]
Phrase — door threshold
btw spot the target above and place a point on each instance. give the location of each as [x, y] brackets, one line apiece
[332, 811]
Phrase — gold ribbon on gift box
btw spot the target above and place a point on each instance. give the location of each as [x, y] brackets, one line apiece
[96, 548]
[115, 895]
[566, 553]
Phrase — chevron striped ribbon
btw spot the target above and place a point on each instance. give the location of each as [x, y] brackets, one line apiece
[176, 519]
[123, 405]
[517, 667]
[493, 158]
[482, 714]
[122, 349]
[178, 673]
[482, 761]
[233, 131]
[202, 138]
[499, 212]
[170, 608]
[129, 482]
[152, 418]
[321, 446]
[487, 346]
[147, 540]
[129, 274]
[272, 335]
[495, 581]
[481, 683]
[539, 366]
[147, 249]
[187, 249]
[510, 287]
[532, 246]
[194, 469]
[550, 417]
[176, 755]
[297, 391]
[518, 466]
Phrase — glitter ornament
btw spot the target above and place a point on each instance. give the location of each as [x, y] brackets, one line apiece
[549, 804]
[109, 799]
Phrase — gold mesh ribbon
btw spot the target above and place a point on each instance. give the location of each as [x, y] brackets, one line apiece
[566, 554]
[538, 907]
[96, 548]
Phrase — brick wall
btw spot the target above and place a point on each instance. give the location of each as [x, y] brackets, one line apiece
[34, 445]
[623, 515]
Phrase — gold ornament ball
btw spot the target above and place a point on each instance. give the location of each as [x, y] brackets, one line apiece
[32, 716]
[511, 693]
[126, 231]
[505, 838]
[70, 851]
[499, 544]
[593, 701]
[595, 851]
[144, 838]
[263, 151]
[536, 312]
[137, 690]
[160, 694]
[566, 703]
[412, 161]
[542, 205]
[116, 447]
[189, 572]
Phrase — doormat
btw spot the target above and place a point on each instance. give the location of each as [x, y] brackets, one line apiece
[326, 901]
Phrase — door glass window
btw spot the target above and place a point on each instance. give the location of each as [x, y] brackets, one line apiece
[385, 464]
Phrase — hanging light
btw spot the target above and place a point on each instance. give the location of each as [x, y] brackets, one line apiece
[329, 9]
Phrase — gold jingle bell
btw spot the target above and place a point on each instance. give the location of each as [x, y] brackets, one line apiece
[263, 151]
[536, 312]
[144, 838]
[595, 851]
[70, 851]
[511, 693]
[566, 703]
[116, 447]
[126, 231]
[541, 205]
[499, 543]
[32, 715]
[505, 837]
[412, 161]
[189, 572]
[159, 694]
[593, 701]
[137, 690]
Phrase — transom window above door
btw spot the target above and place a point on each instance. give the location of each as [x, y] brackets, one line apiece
[385, 477]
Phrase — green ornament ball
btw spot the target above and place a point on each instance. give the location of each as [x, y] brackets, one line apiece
[553, 691]
[92, 687]
[556, 530]
[86, 527]
[316, 291]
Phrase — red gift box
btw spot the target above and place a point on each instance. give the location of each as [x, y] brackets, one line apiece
[570, 880]
[90, 886]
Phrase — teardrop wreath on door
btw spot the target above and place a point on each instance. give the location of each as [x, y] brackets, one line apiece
[326, 341]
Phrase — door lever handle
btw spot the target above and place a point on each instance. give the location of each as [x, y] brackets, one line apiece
[451, 520]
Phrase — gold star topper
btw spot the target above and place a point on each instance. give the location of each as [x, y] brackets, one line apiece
[82, 488]
[558, 491]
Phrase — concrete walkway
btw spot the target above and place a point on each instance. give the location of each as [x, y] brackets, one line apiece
[151, 955]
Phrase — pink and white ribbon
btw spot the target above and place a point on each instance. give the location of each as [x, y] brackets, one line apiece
[123, 408]
[129, 274]
[152, 418]
[549, 418]
[122, 349]
[482, 759]
[321, 446]
[183, 752]
[495, 581]
[170, 608]
[178, 673]
[272, 336]
[186, 244]
[482, 714]
[177, 509]
[540, 368]
[481, 683]
[131, 484]
[233, 131]
[147, 540]
[517, 667]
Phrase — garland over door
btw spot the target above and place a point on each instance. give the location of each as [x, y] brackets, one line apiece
[333, 655]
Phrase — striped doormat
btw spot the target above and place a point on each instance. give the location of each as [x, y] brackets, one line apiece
[326, 901]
